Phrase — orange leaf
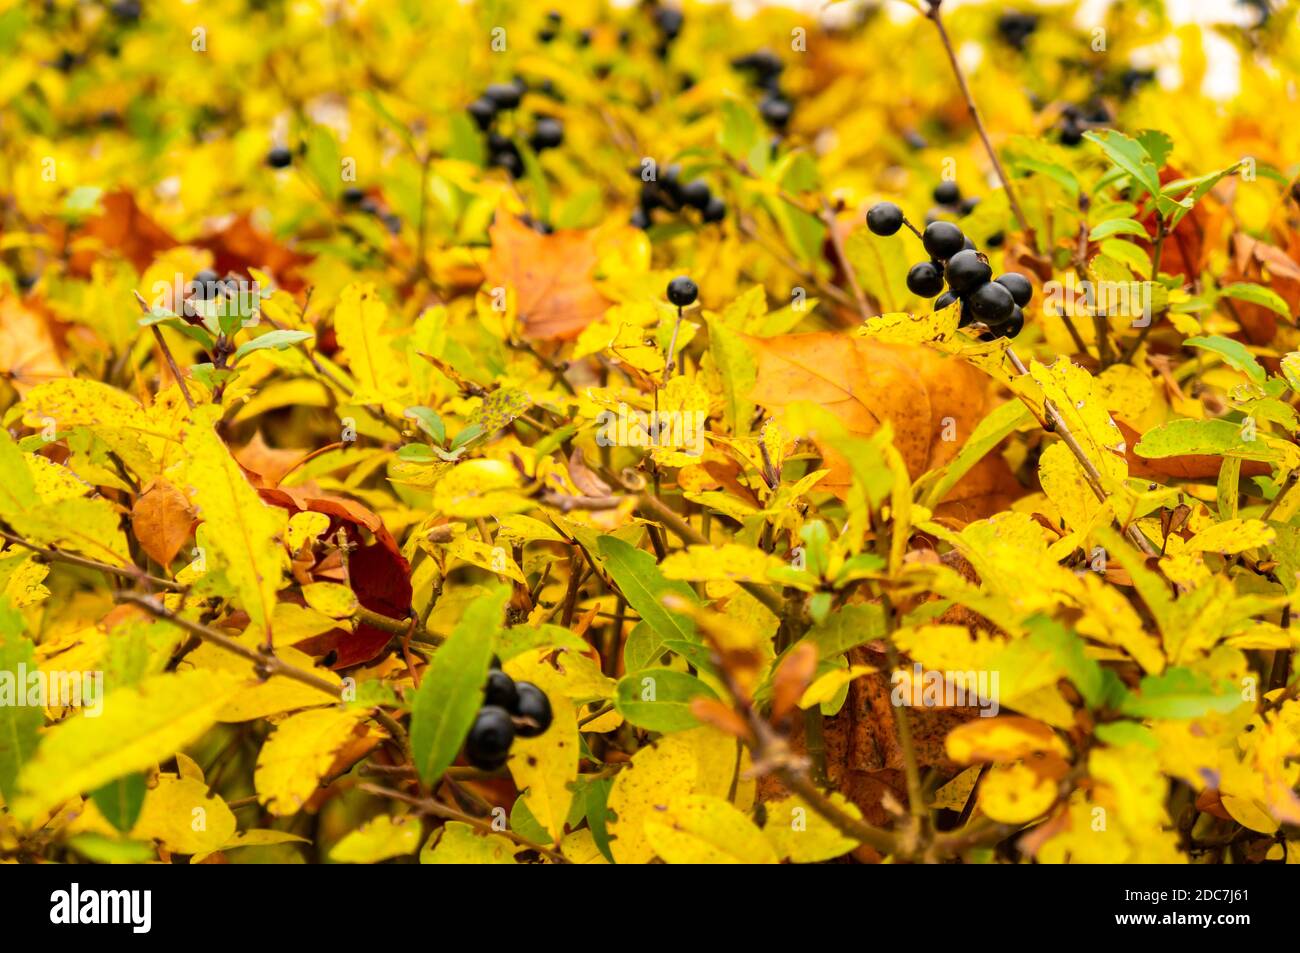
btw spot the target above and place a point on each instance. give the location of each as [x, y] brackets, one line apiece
[162, 520]
[550, 275]
[792, 678]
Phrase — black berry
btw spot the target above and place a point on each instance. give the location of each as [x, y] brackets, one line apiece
[944, 300]
[1071, 134]
[925, 280]
[696, 194]
[1019, 286]
[775, 111]
[669, 20]
[500, 690]
[966, 271]
[640, 218]
[483, 111]
[488, 743]
[547, 134]
[1013, 325]
[682, 291]
[947, 193]
[968, 205]
[991, 303]
[279, 158]
[943, 240]
[535, 706]
[206, 284]
[504, 95]
[884, 218]
[716, 210]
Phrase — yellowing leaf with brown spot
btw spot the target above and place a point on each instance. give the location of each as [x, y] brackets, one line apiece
[298, 754]
[138, 727]
[545, 767]
[654, 777]
[1006, 738]
[701, 829]
[182, 815]
[1015, 793]
[799, 833]
[1232, 536]
[243, 532]
[378, 839]
[459, 843]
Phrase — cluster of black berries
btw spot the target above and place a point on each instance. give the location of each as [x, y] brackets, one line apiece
[356, 198]
[510, 709]
[669, 22]
[764, 68]
[548, 132]
[1016, 28]
[948, 199]
[667, 191]
[549, 32]
[1074, 120]
[955, 260]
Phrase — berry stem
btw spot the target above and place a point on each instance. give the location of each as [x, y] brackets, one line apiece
[167, 353]
[912, 228]
[828, 219]
[937, 19]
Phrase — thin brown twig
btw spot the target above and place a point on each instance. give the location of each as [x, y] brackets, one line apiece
[937, 19]
[167, 352]
[266, 665]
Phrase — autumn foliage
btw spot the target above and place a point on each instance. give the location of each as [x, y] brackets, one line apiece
[324, 395]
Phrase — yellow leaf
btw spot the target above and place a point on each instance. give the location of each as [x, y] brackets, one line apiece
[459, 843]
[359, 324]
[1007, 738]
[242, 531]
[654, 777]
[954, 795]
[331, 598]
[138, 727]
[804, 836]
[492, 558]
[182, 815]
[731, 561]
[297, 755]
[828, 686]
[1232, 536]
[377, 840]
[701, 829]
[1015, 793]
[257, 698]
[545, 767]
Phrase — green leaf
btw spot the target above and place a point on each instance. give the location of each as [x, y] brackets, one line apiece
[273, 339]
[19, 724]
[120, 800]
[637, 576]
[1257, 294]
[1216, 437]
[845, 628]
[1117, 226]
[452, 688]
[659, 699]
[1130, 155]
[1234, 354]
[1178, 693]
[740, 133]
[428, 421]
[738, 371]
[988, 433]
[881, 266]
